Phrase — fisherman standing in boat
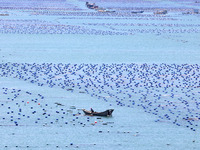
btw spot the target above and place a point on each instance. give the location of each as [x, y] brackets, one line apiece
[91, 110]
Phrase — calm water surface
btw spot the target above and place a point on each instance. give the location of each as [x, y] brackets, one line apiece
[129, 127]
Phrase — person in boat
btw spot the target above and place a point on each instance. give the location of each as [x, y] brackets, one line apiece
[91, 110]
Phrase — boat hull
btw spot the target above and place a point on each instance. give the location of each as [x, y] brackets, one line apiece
[104, 113]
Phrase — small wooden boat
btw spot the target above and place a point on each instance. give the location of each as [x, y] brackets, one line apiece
[163, 12]
[90, 5]
[137, 12]
[104, 113]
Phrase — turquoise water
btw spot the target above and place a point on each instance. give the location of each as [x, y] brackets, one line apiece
[107, 49]
[145, 67]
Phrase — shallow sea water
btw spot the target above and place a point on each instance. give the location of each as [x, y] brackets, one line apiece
[67, 128]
